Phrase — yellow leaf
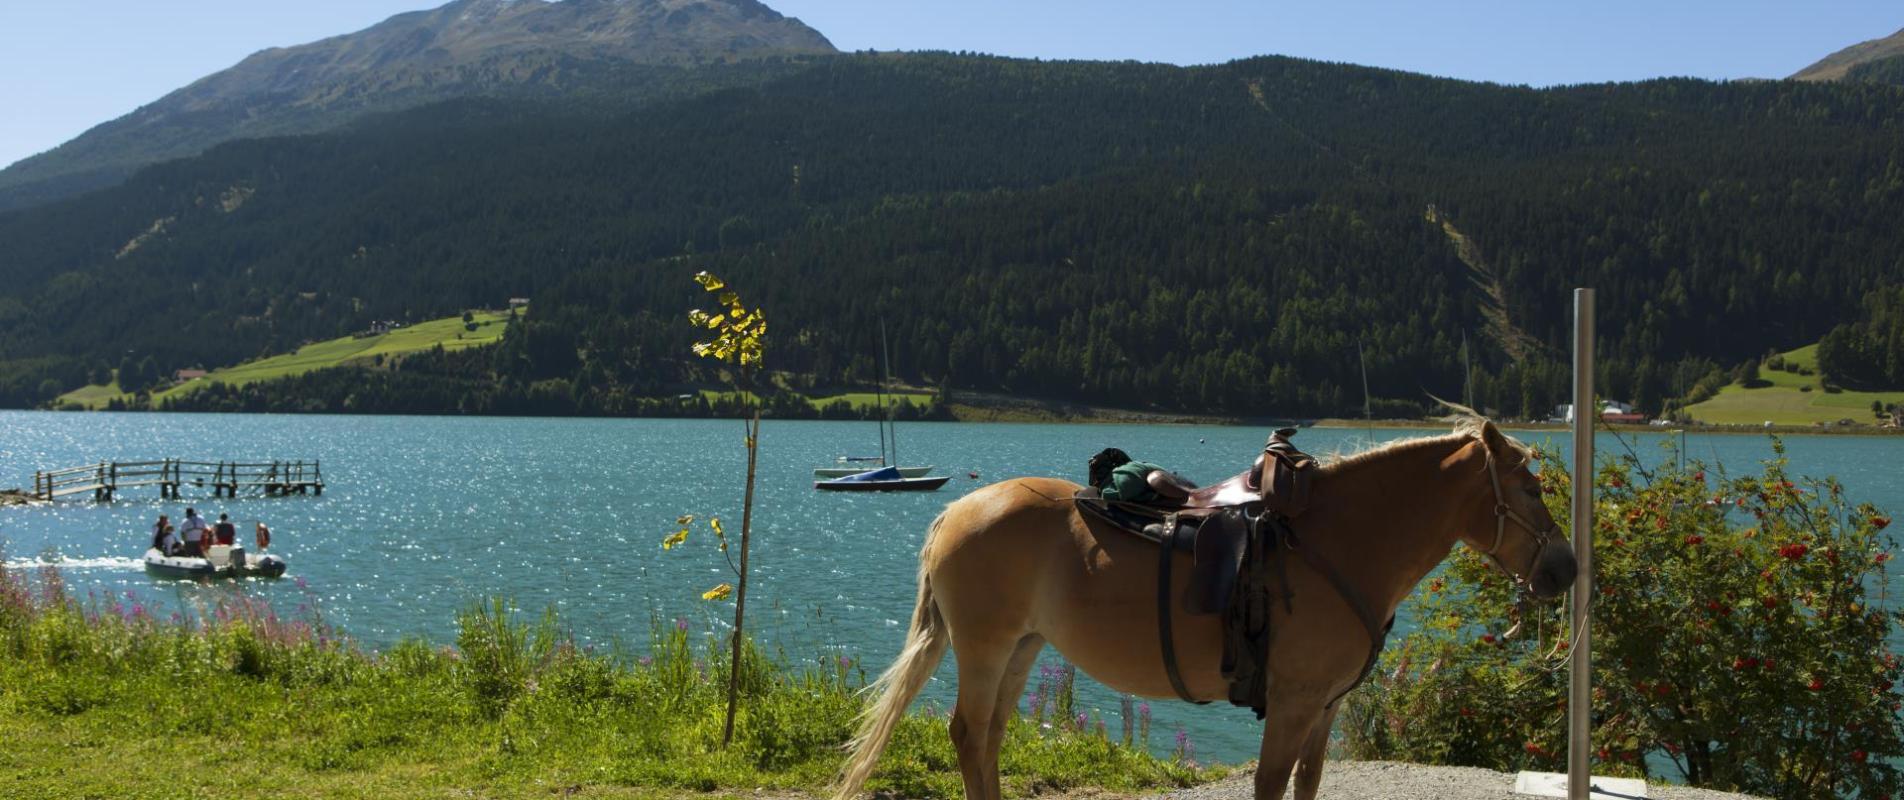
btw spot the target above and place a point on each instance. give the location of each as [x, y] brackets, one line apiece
[674, 539]
[729, 298]
[684, 519]
[716, 524]
[703, 349]
[718, 593]
[698, 318]
[709, 282]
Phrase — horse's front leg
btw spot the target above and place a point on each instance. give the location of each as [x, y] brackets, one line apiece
[1314, 751]
[1285, 731]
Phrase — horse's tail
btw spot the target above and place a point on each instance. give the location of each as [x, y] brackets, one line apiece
[925, 647]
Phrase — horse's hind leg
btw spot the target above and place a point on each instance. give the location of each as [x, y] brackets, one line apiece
[1010, 687]
[1314, 751]
[983, 667]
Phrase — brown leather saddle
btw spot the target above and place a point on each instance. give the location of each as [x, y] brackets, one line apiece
[1208, 521]
[1237, 532]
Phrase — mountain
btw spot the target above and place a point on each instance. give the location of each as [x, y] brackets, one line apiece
[1218, 239]
[1876, 54]
[469, 47]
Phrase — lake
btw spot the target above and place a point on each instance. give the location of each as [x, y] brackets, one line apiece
[426, 515]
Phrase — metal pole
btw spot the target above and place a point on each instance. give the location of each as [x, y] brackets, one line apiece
[1580, 689]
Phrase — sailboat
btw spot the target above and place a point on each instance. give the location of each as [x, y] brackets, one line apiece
[877, 473]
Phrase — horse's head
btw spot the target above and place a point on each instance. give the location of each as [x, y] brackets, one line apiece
[1514, 529]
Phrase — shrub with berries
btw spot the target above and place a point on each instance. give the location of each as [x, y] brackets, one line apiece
[1739, 642]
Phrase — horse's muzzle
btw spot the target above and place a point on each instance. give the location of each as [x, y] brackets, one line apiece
[1554, 571]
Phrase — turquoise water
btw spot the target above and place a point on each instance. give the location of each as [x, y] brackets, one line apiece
[424, 515]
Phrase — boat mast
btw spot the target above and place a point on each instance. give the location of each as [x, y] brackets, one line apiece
[885, 374]
[1467, 373]
[1368, 417]
[879, 399]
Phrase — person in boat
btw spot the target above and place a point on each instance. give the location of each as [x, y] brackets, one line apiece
[264, 537]
[194, 531]
[1119, 477]
[224, 532]
[162, 535]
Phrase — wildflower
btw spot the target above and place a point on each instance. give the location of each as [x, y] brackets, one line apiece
[303, 584]
[1082, 720]
[681, 623]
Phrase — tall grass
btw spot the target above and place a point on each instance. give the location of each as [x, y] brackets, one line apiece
[235, 698]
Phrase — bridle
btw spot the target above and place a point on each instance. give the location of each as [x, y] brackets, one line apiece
[1502, 514]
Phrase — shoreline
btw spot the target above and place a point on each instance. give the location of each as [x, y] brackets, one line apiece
[1000, 409]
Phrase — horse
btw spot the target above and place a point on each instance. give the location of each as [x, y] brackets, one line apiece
[1013, 566]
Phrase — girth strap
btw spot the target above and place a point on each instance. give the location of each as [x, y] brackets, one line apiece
[1377, 630]
[1165, 637]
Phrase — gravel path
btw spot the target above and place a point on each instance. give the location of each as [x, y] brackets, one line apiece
[1388, 780]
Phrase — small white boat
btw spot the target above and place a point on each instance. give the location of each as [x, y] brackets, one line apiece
[222, 561]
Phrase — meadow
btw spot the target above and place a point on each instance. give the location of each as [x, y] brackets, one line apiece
[450, 333]
[1785, 397]
[101, 698]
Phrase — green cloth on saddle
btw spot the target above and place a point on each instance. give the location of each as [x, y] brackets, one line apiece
[1128, 483]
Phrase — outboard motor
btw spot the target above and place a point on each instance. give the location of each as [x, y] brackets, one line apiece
[237, 558]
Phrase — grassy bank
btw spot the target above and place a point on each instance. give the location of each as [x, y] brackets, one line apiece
[450, 332]
[98, 698]
[1794, 396]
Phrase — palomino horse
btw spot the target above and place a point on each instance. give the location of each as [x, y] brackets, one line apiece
[1013, 566]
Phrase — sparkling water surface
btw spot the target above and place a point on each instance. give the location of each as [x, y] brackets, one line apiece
[426, 515]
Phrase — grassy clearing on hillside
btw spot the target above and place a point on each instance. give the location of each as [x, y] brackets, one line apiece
[1785, 402]
[100, 699]
[94, 396]
[450, 332]
[860, 401]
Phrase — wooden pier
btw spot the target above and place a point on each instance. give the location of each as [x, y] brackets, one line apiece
[226, 478]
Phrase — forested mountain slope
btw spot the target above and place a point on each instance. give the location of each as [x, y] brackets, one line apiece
[577, 50]
[1214, 239]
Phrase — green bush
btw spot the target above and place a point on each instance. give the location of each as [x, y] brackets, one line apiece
[1738, 637]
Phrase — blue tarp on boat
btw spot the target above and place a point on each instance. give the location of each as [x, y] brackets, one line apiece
[881, 474]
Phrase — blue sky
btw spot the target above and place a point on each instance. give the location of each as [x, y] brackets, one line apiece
[69, 66]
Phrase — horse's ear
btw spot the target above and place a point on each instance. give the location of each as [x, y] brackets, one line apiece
[1498, 444]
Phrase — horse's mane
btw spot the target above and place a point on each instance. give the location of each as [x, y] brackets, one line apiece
[1469, 425]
